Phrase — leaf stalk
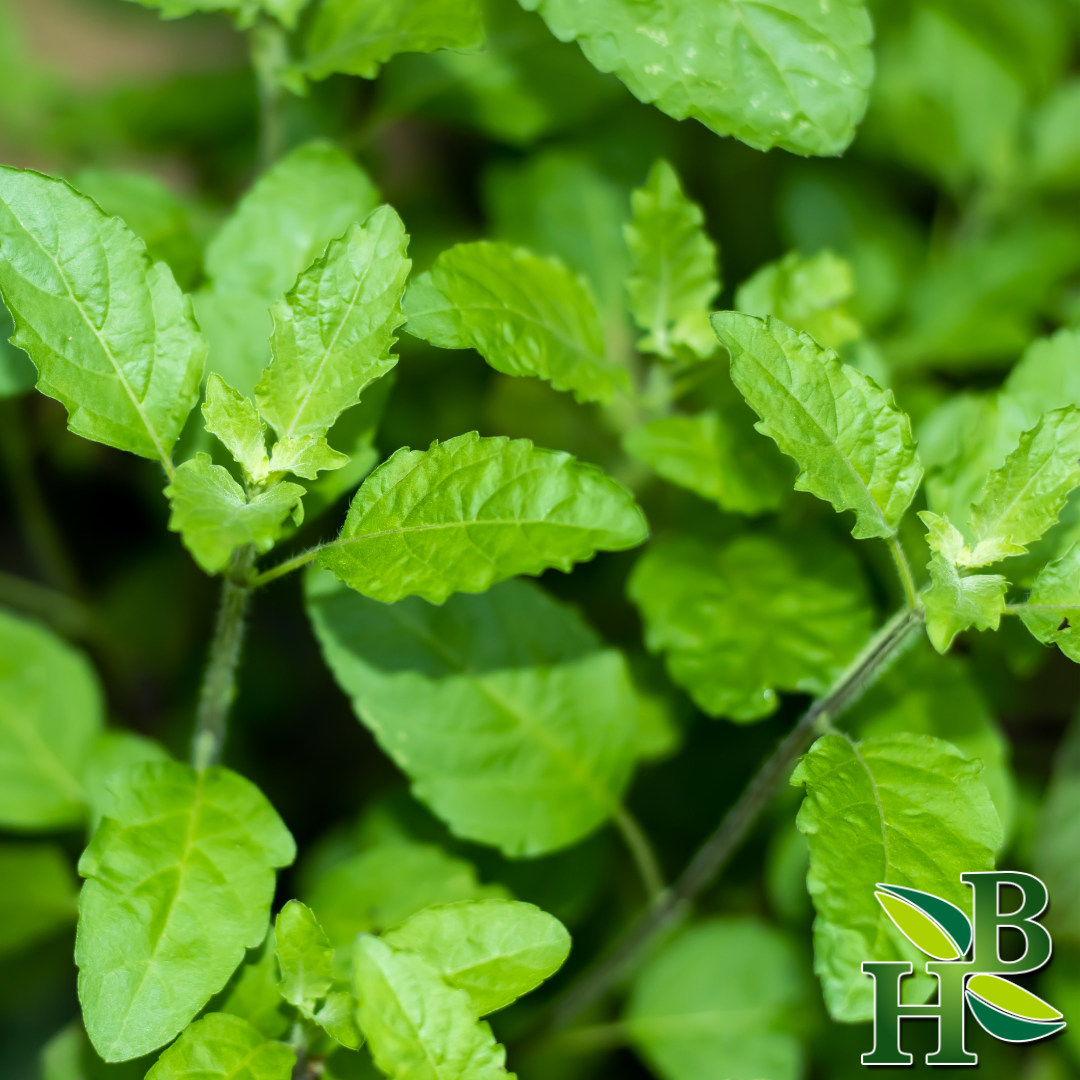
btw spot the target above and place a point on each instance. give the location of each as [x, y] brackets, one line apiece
[642, 852]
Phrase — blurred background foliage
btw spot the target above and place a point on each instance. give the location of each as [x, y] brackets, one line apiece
[942, 244]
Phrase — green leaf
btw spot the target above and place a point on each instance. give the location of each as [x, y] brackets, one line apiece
[306, 456]
[1052, 611]
[384, 885]
[513, 722]
[214, 517]
[1022, 499]
[524, 314]
[180, 875]
[246, 11]
[739, 622]
[858, 820]
[355, 37]
[223, 1047]
[854, 446]
[794, 75]
[334, 329]
[39, 894]
[68, 1055]
[417, 1026]
[494, 950]
[235, 421]
[807, 293]
[710, 455]
[51, 710]
[1055, 836]
[721, 1000]
[113, 752]
[472, 511]
[113, 338]
[673, 279]
[308, 198]
[1046, 377]
[955, 603]
[17, 373]
[252, 992]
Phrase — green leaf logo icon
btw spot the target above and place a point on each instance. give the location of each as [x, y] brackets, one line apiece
[1010, 1012]
[935, 926]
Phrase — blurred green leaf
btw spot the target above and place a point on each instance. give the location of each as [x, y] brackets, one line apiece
[1055, 137]
[472, 511]
[494, 950]
[1055, 838]
[739, 622]
[722, 999]
[524, 314]
[39, 894]
[856, 793]
[513, 722]
[333, 331]
[215, 517]
[221, 1047]
[854, 446]
[417, 1026]
[68, 1055]
[246, 11]
[51, 711]
[674, 276]
[795, 75]
[110, 753]
[252, 993]
[112, 337]
[158, 932]
[308, 198]
[356, 36]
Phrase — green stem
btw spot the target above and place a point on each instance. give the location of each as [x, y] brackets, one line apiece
[903, 568]
[269, 55]
[642, 852]
[284, 568]
[719, 848]
[38, 528]
[219, 683]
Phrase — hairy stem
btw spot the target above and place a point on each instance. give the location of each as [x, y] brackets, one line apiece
[269, 54]
[642, 852]
[38, 528]
[903, 568]
[718, 849]
[282, 569]
[219, 682]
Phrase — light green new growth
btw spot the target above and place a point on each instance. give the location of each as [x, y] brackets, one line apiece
[246, 11]
[223, 1047]
[306, 456]
[720, 1000]
[51, 711]
[472, 511]
[738, 623]
[113, 338]
[419, 1027]
[858, 821]
[494, 950]
[355, 37]
[524, 314]
[514, 723]
[1052, 611]
[180, 875]
[39, 895]
[214, 516]
[334, 329]
[794, 74]
[854, 446]
[235, 421]
[673, 278]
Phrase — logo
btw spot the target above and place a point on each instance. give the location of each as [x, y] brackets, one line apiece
[979, 984]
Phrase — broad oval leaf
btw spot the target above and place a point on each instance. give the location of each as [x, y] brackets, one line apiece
[720, 1000]
[794, 74]
[857, 818]
[304, 956]
[418, 1027]
[355, 37]
[51, 711]
[524, 314]
[512, 721]
[736, 623]
[180, 875]
[673, 277]
[472, 511]
[1005, 1026]
[214, 517]
[334, 329]
[223, 1047]
[1007, 996]
[854, 446]
[39, 895]
[494, 950]
[113, 338]
[921, 930]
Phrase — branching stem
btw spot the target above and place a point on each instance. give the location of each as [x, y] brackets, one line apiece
[718, 849]
[219, 682]
[642, 852]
